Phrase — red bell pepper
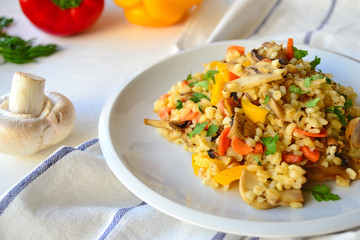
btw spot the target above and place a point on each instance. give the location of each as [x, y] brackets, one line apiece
[62, 17]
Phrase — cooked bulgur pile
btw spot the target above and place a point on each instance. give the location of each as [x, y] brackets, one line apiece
[268, 119]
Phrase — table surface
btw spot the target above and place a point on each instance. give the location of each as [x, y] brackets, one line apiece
[89, 67]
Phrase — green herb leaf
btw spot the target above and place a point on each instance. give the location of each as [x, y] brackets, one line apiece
[210, 75]
[323, 193]
[350, 117]
[200, 108]
[308, 80]
[270, 144]
[197, 129]
[315, 62]
[204, 84]
[179, 104]
[5, 22]
[198, 96]
[299, 54]
[296, 89]
[336, 110]
[312, 103]
[266, 100]
[212, 130]
[257, 161]
[348, 104]
[189, 77]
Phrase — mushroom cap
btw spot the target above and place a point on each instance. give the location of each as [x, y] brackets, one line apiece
[21, 134]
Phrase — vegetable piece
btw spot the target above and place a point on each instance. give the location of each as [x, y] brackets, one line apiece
[270, 144]
[277, 108]
[258, 148]
[352, 133]
[312, 103]
[253, 112]
[296, 89]
[229, 175]
[299, 54]
[289, 49]
[32, 120]
[212, 130]
[239, 49]
[323, 193]
[16, 50]
[155, 13]
[254, 78]
[323, 133]
[198, 96]
[232, 76]
[336, 110]
[223, 141]
[220, 79]
[157, 123]
[288, 158]
[258, 162]
[179, 104]
[205, 162]
[242, 127]
[62, 18]
[312, 155]
[240, 146]
[164, 113]
[197, 129]
[266, 99]
[191, 116]
[315, 62]
[179, 125]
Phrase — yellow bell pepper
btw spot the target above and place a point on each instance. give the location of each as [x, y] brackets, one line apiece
[220, 79]
[155, 13]
[253, 112]
[229, 175]
[204, 162]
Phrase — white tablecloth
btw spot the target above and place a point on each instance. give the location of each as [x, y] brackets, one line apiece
[73, 194]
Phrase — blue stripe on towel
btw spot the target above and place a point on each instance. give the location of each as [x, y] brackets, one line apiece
[118, 215]
[219, 236]
[276, 5]
[10, 196]
[322, 24]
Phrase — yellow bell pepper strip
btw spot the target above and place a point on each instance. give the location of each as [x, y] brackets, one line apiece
[220, 79]
[253, 112]
[229, 175]
[155, 13]
[204, 162]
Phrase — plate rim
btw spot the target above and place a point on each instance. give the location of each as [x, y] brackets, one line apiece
[208, 221]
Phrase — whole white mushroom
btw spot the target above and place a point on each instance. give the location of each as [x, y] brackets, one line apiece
[31, 120]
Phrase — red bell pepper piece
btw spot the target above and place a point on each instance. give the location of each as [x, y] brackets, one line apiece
[62, 18]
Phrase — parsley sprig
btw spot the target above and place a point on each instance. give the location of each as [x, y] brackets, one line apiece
[299, 54]
[323, 193]
[208, 76]
[270, 144]
[201, 126]
[17, 50]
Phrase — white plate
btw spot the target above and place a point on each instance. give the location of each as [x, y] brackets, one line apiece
[160, 172]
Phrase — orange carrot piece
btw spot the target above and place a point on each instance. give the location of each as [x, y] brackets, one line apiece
[164, 113]
[223, 141]
[240, 49]
[323, 133]
[184, 82]
[289, 49]
[241, 147]
[266, 60]
[165, 96]
[232, 76]
[313, 156]
[258, 148]
[191, 116]
[291, 158]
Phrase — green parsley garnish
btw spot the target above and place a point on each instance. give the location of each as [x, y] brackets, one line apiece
[296, 89]
[198, 96]
[210, 75]
[17, 50]
[308, 80]
[212, 130]
[350, 117]
[270, 144]
[179, 104]
[257, 161]
[336, 110]
[204, 84]
[348, 104]
[312, 103]
[197, 129]
[189, 77]
[323, 193]
[266, 100]
[299, 54]
[200, 108]
[315, 62]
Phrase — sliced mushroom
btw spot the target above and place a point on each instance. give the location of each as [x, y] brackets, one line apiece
[242, 127]
[179, 125]
[247, 182]
[352, 133]
[157, 123]
[278, 110]
[258, 74]
[32, 120]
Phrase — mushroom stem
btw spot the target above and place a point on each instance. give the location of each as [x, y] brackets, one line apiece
[27, 94]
